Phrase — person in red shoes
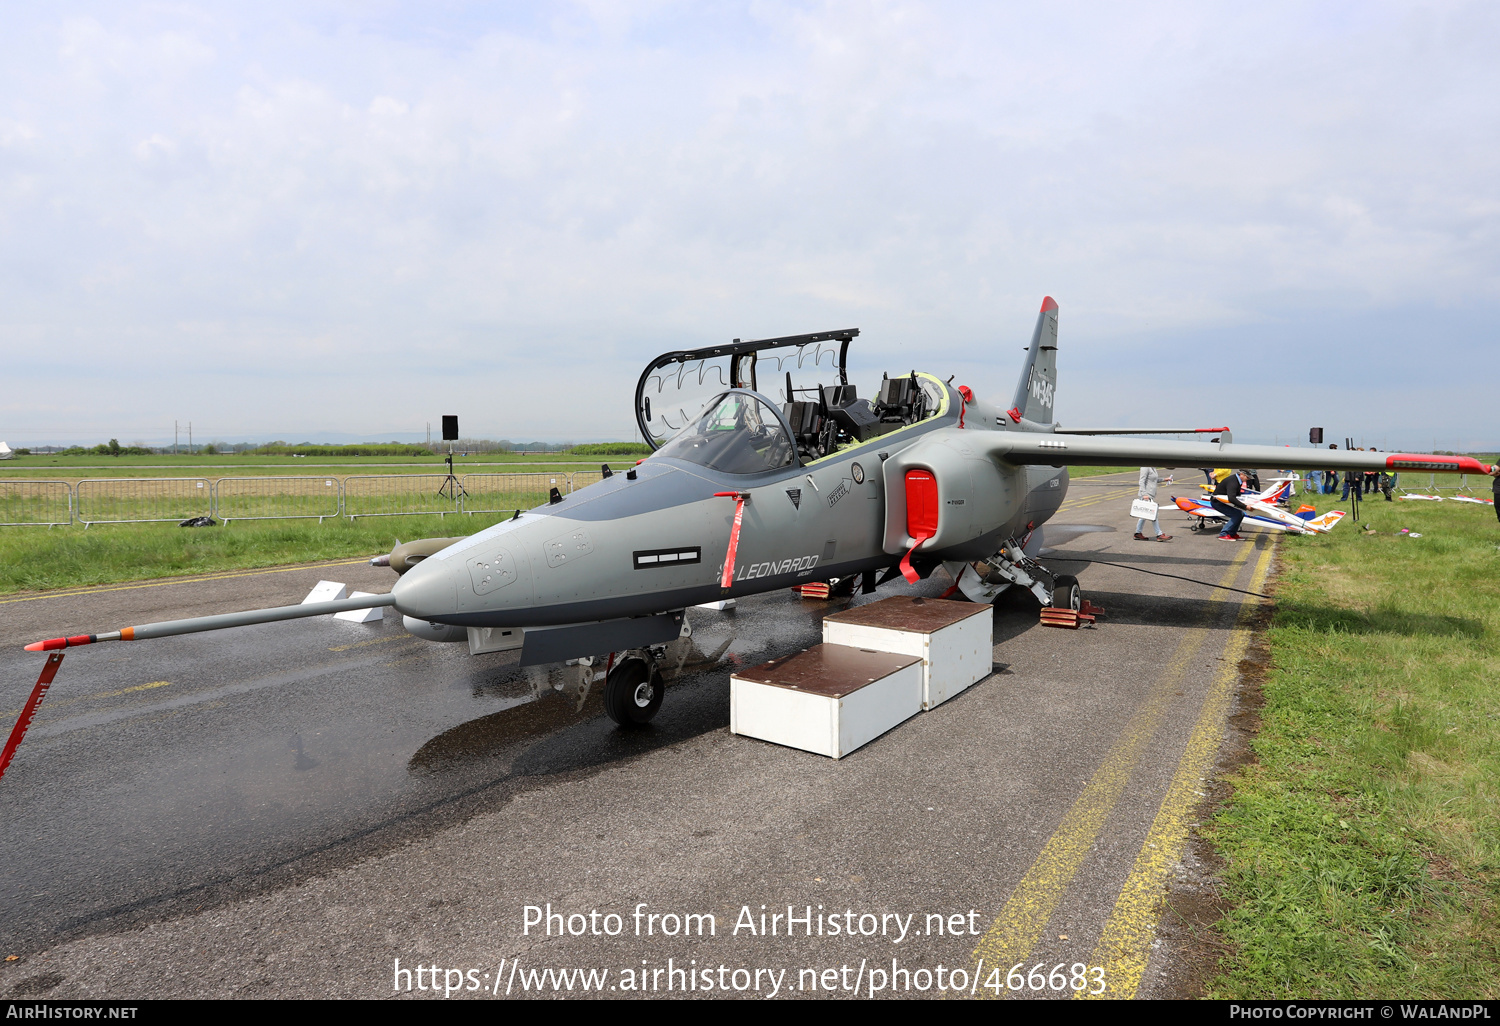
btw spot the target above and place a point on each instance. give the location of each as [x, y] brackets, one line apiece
[1227, 501]
[1147, 489]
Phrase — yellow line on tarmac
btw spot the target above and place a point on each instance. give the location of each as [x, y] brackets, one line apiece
[372, 641]
[1125, 945]
[73, 592]
[1027, 911]
[99, 694]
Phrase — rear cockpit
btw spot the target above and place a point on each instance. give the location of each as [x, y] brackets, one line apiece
[684, 411]
[838, 417]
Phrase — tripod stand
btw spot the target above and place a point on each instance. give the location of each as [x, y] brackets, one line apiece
[1355, 482]
[451, 486]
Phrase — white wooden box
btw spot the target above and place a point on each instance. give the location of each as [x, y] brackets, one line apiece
[828, 699]
[955, 640]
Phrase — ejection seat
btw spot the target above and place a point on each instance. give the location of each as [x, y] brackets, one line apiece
[901, 401]
[854, 416]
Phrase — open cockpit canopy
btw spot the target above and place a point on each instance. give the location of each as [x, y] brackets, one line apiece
[690, 401]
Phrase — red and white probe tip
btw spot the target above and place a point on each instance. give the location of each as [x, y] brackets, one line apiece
[52, 644]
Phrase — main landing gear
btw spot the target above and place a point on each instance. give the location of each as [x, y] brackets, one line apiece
[984, 580]
[1066, 594]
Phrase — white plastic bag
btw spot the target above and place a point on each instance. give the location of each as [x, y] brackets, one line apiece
[1143, 509]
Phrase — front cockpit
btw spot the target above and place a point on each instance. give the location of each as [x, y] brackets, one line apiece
[737, 434]
[745, 430]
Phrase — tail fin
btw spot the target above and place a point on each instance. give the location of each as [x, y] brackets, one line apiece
[1277, 494]
[1327, 521]
[1038, 384]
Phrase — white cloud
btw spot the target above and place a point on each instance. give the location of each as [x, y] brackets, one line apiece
[371, 213]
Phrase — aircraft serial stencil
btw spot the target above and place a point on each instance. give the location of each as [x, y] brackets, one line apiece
[749, 491]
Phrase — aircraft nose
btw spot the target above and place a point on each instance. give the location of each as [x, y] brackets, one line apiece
[426, 591]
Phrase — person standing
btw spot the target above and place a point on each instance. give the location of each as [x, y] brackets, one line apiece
[1496, 470]
[1330, 477]
[1147, 490]
[1227, 501]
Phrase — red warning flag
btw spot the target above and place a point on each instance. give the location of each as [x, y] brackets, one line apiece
[49, 670]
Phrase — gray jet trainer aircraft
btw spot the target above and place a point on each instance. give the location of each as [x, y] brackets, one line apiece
[745, 495]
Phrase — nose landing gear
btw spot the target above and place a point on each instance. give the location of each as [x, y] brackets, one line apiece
[633, 691]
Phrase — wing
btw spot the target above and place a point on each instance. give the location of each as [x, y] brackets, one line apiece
[1026, 447]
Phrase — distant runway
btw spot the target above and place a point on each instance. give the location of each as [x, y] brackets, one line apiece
[288, 809]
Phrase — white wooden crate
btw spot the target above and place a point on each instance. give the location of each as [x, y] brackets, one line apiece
[955, 640]
[828, 699]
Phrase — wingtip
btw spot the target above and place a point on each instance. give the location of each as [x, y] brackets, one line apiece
[1048, 303]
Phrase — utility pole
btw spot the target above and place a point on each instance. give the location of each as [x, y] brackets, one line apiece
[190, 438]
[174, 438]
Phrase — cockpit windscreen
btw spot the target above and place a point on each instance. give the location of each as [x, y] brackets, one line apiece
[736, 434]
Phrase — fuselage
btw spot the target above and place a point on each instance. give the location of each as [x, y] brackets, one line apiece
[656, 540]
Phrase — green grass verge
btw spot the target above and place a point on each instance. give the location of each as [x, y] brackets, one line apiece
[35, 559]
[1363, 844]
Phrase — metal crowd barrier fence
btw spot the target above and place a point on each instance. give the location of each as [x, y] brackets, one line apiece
[278, 498]
[35, 503]
[132, 500]
[137, 500]
[399, 495]
[1413, 483]
[505, 493]
[583, 478]
[1407, 481]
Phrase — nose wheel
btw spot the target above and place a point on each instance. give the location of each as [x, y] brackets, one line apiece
[633, 692]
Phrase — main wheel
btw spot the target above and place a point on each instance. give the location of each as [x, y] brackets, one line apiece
[633, 693]
[1066, 594]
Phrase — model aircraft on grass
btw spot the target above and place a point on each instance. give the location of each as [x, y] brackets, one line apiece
[1262, 514]
[1276, 492]
[748, 491]
[1451, 498]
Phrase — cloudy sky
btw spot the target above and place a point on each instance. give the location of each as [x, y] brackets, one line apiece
[298, 219]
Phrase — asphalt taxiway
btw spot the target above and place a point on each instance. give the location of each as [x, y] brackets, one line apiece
[289, 809]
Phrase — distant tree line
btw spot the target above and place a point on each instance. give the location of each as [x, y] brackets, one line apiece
[112, 448]
[466, 446]
[357, 449]
[611, 449]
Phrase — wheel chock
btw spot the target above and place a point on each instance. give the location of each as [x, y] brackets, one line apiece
[1068, 619]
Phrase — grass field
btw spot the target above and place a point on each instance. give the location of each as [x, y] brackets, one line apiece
[33, 559]
[1363, 844]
